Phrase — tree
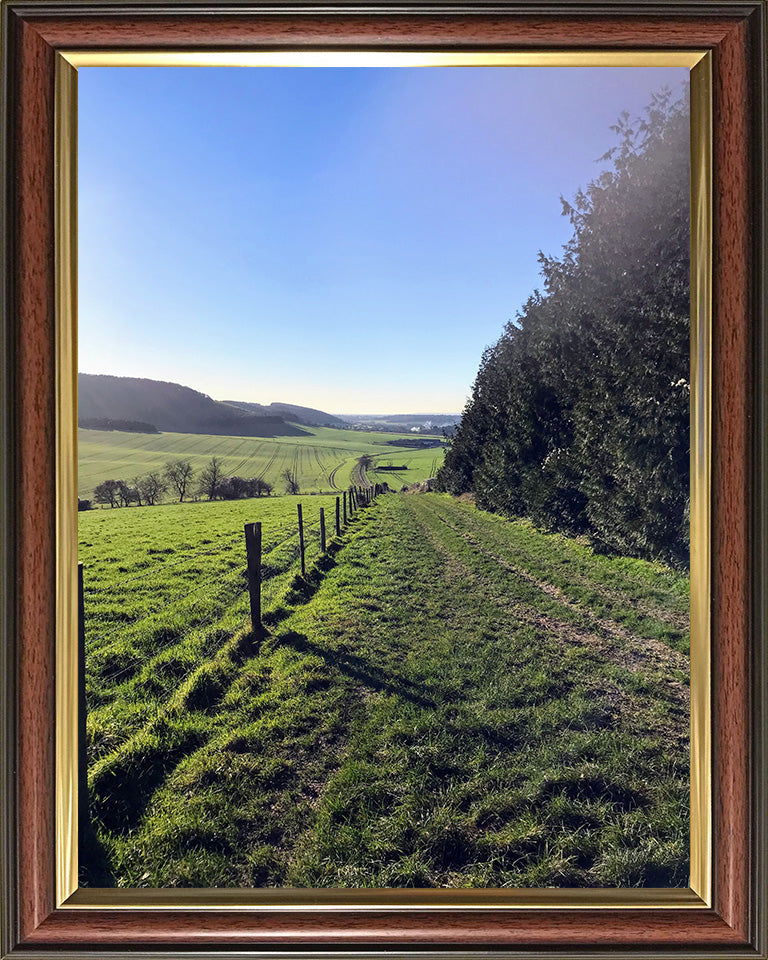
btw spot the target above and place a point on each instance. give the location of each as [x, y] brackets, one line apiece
[211, 479]
[107, 492]
[136, 484]
[151, 488]
[579, 415]
[262, 487]
[126, 494]
[179, 475]
[291, 483]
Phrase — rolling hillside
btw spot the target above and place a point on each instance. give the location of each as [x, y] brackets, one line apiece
[290, 411]
[172, 407]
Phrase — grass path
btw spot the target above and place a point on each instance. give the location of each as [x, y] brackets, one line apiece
[438, 705]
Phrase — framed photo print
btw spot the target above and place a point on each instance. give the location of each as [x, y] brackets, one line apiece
[384, 479]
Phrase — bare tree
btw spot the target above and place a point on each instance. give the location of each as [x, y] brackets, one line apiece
[179, 475]
[152, 487]
[107, 492]
[136, 484]
[211, 479]
[291, 483]
[126, 495]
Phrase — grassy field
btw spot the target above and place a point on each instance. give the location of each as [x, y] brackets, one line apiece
[448, 699]
[322, 461]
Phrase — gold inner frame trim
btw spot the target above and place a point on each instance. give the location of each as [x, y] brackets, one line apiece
[698, 895]
[377, 58]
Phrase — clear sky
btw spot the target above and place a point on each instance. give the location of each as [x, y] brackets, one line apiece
[347, 239]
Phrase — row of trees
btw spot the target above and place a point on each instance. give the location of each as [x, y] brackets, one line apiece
[579, 416]
[178, 476]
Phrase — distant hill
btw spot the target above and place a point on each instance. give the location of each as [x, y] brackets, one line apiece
[308, 415]
[173, 407]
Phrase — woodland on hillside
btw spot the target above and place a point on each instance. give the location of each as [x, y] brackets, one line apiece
[579, 415]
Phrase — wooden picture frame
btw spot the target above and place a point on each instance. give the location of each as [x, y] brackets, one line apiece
[734, 925]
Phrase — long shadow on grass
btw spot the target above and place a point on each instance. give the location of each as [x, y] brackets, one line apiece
[359, 669]
[303, 588]
[94, 867]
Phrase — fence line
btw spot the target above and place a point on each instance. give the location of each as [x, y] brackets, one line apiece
[255, 575]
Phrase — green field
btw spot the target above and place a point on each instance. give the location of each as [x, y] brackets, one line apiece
[448, 699]
[322, 461]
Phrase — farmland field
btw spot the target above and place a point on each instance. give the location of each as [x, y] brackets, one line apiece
[322, 461]
[448, 699]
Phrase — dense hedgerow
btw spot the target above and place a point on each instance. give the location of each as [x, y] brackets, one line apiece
[579, 416]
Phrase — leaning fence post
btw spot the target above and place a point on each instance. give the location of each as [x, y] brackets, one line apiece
[338, 517]
[83, 813]
[322, 529]
[345, 508]
[301, 539]
[253, 556]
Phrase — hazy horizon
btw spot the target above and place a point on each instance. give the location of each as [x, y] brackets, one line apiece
[314, 406]
[344, 239]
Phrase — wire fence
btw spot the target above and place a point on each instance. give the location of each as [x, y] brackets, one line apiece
[213, 587]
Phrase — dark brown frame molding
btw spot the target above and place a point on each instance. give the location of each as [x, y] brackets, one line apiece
[735, 32]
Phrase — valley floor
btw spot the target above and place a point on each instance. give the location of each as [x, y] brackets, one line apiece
[322, 461]
[451, 699]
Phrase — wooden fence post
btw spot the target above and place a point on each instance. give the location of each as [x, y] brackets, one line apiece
[83, 811]
[301, 540]
[322, 529]
[338, 516]
[253, 557]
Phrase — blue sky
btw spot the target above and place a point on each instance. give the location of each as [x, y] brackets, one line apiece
[348, 239]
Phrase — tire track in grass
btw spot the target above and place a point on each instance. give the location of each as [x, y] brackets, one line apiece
[332, 475]
[657, 706]
[234, 471]
[662, 650]
[610, 593]
[626, 650]
[269, 463]
[321, 467]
